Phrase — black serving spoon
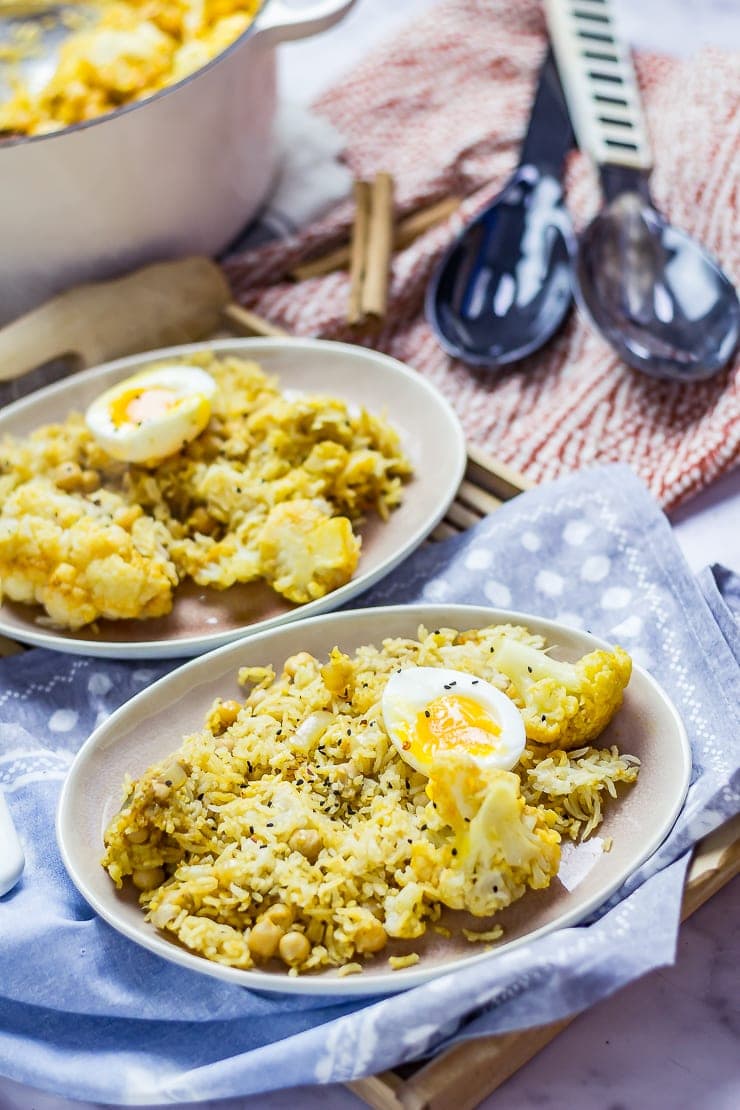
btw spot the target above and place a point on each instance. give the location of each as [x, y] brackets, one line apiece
[503, 287]
[660, 300]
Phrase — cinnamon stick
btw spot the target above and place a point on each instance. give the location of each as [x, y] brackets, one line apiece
[407, 230]
[374, 301]
[358, 250]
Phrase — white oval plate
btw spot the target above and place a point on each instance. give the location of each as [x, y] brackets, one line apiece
[201, 618]
[153, 723]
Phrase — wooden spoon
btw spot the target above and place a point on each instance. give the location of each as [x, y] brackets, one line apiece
[157, 306]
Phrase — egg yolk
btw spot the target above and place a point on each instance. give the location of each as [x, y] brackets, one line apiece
[138, 405]
[452, 720]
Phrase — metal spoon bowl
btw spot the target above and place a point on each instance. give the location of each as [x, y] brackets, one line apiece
[503, 287]
[659, 298]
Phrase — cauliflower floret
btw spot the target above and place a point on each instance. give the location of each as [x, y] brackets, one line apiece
[304, 552]
[564, 704]
[501, 845]
[71, 555]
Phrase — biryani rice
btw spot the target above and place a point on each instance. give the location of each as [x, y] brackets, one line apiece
[290, 824]
[270, 490]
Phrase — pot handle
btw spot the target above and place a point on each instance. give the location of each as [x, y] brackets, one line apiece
[282, 21]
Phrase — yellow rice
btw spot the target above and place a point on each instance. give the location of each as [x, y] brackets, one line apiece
[212, 834]
[273, 489]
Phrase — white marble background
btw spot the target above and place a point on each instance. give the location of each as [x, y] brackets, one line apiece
[672, 1040]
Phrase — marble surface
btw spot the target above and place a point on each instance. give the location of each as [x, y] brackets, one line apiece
[669, 1041]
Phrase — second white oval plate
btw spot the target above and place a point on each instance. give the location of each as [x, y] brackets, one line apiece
[152, 725]
[202, 619]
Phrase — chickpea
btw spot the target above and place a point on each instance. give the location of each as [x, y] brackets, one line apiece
[68, 477]
[279, 914]
[147, 878]
[200, 520]
[174, 776]
[264, 938]
[228, 711]
[90, 481]
[307, 842]
[294, 948]
[137, 836]
[371, 937]
[295, 662]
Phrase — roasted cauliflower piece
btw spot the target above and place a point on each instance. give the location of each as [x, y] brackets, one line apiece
[81, 558]
[564, 705]
[501, 845]
[304, 552]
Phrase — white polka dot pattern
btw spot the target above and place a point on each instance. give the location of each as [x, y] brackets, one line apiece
[497, 593]
[63, 720]
[550, 583]
[595, 568]
[478, 559]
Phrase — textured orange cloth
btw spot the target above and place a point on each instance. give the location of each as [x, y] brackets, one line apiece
[443, 106]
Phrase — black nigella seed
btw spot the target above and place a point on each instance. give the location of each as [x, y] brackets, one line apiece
[529, 669]
[454, 851]
[251, 830]
[427, 713]
[269, 824]
[168, 782]
[544, 718]
[495, 889]
[475, 682]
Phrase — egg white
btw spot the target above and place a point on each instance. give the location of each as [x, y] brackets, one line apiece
[156, 437]
[410, 691]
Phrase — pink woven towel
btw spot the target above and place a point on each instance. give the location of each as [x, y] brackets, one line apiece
[443, 106]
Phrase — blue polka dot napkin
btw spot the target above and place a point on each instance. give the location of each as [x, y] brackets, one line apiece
[86, 1013]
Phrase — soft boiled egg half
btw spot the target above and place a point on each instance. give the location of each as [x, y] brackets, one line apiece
[431, 713]
[153, 414]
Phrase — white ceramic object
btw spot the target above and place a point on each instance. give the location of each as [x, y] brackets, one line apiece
[151, 725]
[202, 619]
[180, 173]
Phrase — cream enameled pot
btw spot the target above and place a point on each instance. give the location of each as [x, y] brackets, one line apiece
[179, 173]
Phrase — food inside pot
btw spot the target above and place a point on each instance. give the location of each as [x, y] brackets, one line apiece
[112, 52]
